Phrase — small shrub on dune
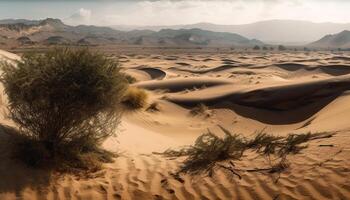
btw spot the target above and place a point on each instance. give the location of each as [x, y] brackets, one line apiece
[210, 151]
[200, 109]
[267, 144]
[154, 107]
[135, 98]
[65, 103]
[130, 78]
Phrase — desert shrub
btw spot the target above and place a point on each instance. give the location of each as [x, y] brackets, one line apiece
[267, 144]
[154, 107]
[135, 98]
[210, 150]
[256, 47]
[281, 48]
[200, 109]
[130, 78]
[32, 152]
[64, 101]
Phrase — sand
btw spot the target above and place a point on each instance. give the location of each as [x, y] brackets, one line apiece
[281, 92]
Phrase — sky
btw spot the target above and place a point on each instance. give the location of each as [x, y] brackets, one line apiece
[173, 12]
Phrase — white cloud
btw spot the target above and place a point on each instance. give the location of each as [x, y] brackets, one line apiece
[82, 16]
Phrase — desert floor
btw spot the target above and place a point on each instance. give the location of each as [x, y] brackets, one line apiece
[280, 92]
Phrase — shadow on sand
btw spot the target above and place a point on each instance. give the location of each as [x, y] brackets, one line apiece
[15, 176]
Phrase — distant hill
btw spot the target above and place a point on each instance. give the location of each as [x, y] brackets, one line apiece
[19, 21]
[273, 31]
[339, 40]
[54, 31]
[195, 37]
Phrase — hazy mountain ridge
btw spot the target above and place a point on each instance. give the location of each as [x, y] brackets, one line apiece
[339, 40]
[272, 31]
[199, 37]
[19, 21]
[54, 31]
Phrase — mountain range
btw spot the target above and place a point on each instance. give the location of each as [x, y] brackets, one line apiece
[54, 31]
[287, 32]
[339, 40]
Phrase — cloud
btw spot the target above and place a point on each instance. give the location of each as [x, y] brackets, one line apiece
[82, 16]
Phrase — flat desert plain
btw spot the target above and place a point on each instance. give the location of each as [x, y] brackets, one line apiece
[245, 92]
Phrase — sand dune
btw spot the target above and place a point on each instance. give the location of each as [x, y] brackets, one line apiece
[4, 55]
[343, 58]
[335, 70]
[283, 97]
[216, 69]
[281, 93]
[181, 84]
[154, 73]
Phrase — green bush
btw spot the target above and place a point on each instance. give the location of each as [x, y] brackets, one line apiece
[130, 78]
[135, 98]
[65, 100]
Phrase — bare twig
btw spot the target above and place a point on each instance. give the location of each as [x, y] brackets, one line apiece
[230, 169]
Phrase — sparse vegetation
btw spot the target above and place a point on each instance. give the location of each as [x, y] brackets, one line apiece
[135, 98]
[209, 150]
[200, 109]
[256, 47]
[154, 107]
[281, 48]
[65, 103]
[130, 78]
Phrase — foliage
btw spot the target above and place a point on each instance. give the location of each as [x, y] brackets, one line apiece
[135, 98]
[209, 150]
[130, 78]
[256, 47]
[64, 101]
[200, 109]
[281, 48]
[154, 107]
